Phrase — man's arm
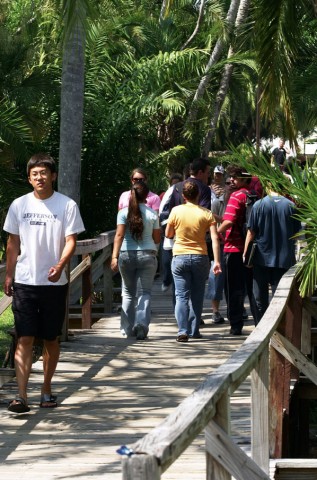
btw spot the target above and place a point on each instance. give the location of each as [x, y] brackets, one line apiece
[55, 271]
[224, 226]
[249, 238]
[13, 250]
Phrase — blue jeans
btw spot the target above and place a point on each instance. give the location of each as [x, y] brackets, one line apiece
[167, 256]
[262, 278]
[190, 273]
[137, 268]
[216, 282]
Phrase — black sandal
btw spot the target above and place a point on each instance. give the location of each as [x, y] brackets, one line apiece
[18, 405]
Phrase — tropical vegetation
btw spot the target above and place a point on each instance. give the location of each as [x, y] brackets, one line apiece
[106, 85]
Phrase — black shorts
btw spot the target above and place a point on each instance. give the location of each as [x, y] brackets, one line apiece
[39, 311]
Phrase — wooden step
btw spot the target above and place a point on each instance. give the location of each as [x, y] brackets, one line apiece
[296, 469]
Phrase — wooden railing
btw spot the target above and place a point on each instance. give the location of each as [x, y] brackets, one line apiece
[265, 355]
[95, 259]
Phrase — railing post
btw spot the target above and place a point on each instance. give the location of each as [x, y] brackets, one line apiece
[215, 471]
[107, 283]
[306, 340]
[260, 412]
[140, 467]
[86, 296]
[281, 373]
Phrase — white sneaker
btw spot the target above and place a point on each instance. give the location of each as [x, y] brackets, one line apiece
[165, 288]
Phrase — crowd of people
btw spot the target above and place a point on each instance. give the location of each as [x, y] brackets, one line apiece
[207, 223]
[203, 227]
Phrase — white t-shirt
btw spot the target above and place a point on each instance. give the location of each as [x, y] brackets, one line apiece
[42, 226]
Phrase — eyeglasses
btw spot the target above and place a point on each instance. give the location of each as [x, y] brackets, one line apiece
[136, 180]
[228, 183]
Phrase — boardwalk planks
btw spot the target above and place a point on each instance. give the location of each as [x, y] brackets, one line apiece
[111, 392]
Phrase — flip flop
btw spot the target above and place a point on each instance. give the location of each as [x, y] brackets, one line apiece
[48, 401]
[18, 405]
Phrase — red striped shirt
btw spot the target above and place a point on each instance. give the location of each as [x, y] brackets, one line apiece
[235, 213]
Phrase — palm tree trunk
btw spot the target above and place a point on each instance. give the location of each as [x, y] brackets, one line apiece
[72, 107]
[225, 82]
[166, 5]
[214, 57]
[199, 22]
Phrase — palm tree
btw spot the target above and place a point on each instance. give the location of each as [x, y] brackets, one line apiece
[280, 44]
[213, 59]
[72, 97]
[225, 81]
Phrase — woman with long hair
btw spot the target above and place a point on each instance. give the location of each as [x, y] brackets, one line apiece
[135, 255]
[190, 265]
[138, 175]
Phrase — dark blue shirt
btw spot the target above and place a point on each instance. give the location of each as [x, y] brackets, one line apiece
[272, 220]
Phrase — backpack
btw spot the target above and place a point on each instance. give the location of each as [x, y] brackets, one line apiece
[252, 197]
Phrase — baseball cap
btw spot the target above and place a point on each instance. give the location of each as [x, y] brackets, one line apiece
[219, 169]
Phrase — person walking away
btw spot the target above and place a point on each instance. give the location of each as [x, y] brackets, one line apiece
[215, 285]
[199, 172]
[232, 226]
[166, 253]
[43, 227]
[190, 265]
[135, 255]
[272, 226]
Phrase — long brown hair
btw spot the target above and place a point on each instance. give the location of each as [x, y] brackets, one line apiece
[139, 192]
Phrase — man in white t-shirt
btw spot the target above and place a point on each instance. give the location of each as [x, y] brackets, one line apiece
[43, 227]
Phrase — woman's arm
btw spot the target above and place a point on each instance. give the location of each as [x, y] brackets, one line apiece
[156, 235]
[170, 231]
[215, 248]
[118, 239]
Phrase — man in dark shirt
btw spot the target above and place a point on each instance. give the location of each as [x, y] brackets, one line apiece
[279, 154]
[272, 225]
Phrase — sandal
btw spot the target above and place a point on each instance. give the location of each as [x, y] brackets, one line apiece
[48, 400]
[18, 405]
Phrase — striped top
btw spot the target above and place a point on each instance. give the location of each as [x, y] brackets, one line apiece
[235, 213]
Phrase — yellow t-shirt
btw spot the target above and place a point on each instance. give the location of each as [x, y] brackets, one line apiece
[190, 222]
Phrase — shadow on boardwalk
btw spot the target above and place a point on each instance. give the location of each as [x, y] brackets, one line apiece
[112, 391]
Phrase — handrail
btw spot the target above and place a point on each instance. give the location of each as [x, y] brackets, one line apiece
[92, 245]
[85, 271]
[207, 407]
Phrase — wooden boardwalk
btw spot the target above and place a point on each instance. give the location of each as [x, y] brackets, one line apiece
[111, 391]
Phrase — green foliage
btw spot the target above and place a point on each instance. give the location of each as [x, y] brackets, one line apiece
[6, 322]
[140, 83]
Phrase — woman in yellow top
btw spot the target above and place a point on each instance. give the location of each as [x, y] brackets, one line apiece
[190, 265]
